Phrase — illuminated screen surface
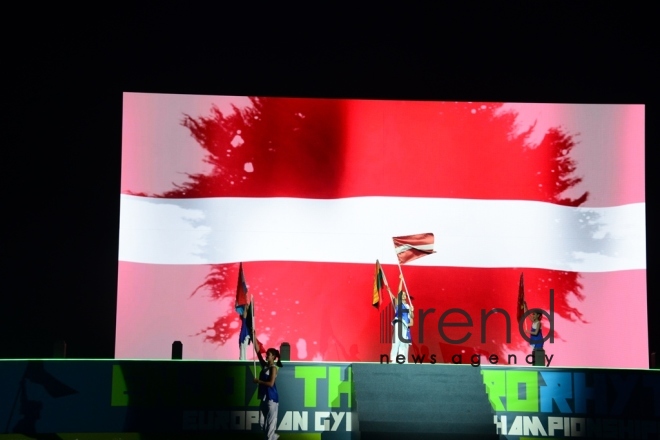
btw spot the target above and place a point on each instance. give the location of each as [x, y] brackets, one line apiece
[308, 193]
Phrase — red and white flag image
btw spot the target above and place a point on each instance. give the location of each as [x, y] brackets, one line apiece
[308, 193]
[412, 247]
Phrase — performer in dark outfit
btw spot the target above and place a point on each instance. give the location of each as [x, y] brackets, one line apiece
[267, 393]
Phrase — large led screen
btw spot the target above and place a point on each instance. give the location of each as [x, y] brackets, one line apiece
[546, 200]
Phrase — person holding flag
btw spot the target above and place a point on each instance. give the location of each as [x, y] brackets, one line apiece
[407, 248]
[403, 320]
[267, 391]
[244, 307]
[269, 400]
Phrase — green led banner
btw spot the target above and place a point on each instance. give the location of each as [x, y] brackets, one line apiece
[121, 399]
[172, 397]
[559, 403]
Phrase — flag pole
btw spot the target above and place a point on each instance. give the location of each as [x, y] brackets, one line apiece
[385, 281]
[412, 308]
[521, 296]
[404, 284]
[254, 339]
[390, 292]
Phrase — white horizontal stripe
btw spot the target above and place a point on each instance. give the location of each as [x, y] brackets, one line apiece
[421, 247]
[468, 233]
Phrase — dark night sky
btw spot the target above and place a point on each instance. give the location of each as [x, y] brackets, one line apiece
[68, 69]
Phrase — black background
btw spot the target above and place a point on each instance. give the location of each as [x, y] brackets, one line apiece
[65, 71]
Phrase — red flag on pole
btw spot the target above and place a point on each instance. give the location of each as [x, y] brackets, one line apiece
[260, 347]
[242, 299]
[412, 247]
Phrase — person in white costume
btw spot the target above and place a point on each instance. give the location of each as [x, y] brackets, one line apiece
[403, 320]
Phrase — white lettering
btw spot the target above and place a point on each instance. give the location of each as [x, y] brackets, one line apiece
[251, 417]
[300, 420]
[577, 427]
[322, 415]
[554, 424]
[500, 426]
[337, 417]
[287, 422]
[516, 427]
[533, 425]
[349, 421]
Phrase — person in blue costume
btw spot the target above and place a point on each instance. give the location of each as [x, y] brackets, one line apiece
[244, 335]
[267, 392]
[536, 332]
[403, 320]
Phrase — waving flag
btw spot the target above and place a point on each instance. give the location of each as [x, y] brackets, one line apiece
[309, 192]
[242, 299]
[412, 247]
[380, 282]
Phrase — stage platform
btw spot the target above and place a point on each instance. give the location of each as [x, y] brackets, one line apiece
[182, 399]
